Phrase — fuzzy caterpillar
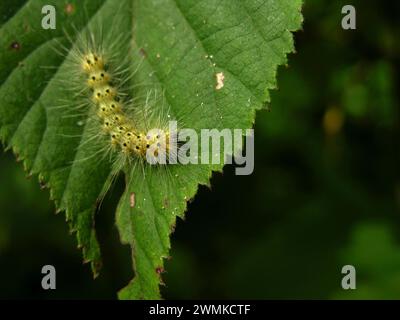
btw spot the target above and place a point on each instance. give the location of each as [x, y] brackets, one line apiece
[123, 134]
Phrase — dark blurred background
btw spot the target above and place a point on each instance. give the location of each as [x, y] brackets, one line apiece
[325, 191]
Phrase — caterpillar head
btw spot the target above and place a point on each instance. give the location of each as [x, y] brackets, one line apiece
[98, 78]
[92, 62]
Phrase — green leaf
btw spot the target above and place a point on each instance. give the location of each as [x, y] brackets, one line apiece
[185, 43]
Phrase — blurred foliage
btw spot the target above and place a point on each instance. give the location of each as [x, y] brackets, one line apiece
[325, 191]
[374, 251]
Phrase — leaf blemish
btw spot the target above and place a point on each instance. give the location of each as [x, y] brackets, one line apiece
[166, 203]
[42, 184]
[69, 8]
[132, 200]
[220, 80]
[160, 270]
[15, 45]
[143, 52]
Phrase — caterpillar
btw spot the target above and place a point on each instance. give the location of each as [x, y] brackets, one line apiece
[131, 126]
[123, 134]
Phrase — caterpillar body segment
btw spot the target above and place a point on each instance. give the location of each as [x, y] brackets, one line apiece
[124, 135]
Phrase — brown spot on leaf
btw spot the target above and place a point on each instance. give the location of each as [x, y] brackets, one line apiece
[69, 8]
[143, 53]
[42, 184]
[160, 270]
[166, 203]
[15, 45]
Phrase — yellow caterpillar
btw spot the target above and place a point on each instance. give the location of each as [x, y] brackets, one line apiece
[115, 123]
